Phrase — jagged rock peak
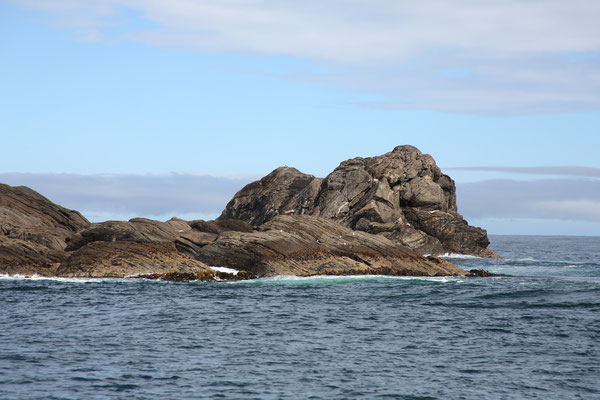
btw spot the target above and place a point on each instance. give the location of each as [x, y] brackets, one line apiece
[406, 148]
[402, 195]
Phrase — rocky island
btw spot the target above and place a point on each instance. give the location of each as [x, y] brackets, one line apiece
[392, 214]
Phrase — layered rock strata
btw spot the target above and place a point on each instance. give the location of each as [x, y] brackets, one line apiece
[306, 245]
[402, 195]
[34, 231]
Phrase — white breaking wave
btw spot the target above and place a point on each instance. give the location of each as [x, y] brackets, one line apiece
[275, 279]
[459, 256]
[345, 278]
[54, 278]
[225, 270]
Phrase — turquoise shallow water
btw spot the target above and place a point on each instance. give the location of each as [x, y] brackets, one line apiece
[533, 336]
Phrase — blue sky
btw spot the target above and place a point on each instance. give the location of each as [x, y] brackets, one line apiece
[130, 94]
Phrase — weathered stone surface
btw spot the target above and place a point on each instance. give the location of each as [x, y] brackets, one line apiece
[137, 229]
[456, 235]
[188, 237]
[306, 245]
[19, 257]
[219, 226]
[130, 258]
[402, 195]
[33, 231]
[284, 191]
[29, 216]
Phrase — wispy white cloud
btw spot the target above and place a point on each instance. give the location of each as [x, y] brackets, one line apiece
[191, 196]
[552, 199]
[583, 209]
[514, 56]
[543, 170]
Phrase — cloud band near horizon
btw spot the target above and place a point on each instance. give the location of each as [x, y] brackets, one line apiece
[590, 172]
[193, 196]
[124, 196]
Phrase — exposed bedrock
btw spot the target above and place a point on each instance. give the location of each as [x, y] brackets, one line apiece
[33, 231]
[131, 258]
[29, 216]
[186, 236]
[402, 195]
[144, 247]
[307, 245]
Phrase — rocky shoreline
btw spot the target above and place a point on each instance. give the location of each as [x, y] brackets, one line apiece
[376, 215]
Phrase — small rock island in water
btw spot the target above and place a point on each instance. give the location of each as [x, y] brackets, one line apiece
[388, 215]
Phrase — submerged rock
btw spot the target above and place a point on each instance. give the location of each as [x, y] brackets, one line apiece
[482, 273]
[402, 195]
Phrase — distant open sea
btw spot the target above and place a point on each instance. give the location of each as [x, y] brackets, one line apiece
[532, 336]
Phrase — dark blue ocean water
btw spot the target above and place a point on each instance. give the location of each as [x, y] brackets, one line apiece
[535, 336]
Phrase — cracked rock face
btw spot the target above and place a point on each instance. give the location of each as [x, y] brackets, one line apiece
[402, 195]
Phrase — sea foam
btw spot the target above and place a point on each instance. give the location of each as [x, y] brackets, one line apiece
[226, 270]
[459, 256]
[336, 279]
[55, 278]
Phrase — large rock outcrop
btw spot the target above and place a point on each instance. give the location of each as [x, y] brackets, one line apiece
[402, 195]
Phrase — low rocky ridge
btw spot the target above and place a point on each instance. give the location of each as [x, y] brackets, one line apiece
[402, 195]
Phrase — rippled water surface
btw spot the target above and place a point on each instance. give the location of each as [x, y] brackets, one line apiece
[535, 336]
